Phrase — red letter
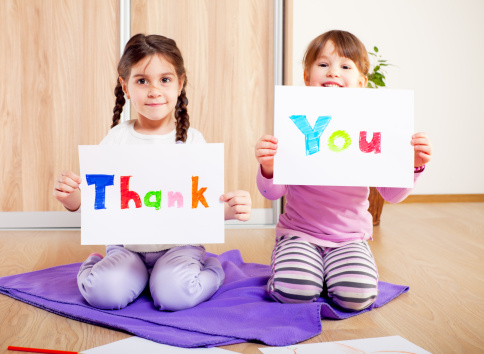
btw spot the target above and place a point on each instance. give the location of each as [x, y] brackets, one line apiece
[127, 195]
[197, 195]
[373, 145]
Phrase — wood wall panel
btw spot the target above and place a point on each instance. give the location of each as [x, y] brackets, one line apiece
[228, 51]
[58, 68]
[10, 107]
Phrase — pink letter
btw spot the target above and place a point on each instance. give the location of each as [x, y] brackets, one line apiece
[175, 197]
[373, 145]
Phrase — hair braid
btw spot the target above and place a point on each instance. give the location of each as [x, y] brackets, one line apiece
[181, 116]
[118, 107]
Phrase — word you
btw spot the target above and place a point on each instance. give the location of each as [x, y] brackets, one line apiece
[152, 199]
[313, 135]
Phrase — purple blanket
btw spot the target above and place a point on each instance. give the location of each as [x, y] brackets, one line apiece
[240, 311]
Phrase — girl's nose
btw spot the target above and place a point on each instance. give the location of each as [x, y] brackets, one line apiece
[154, 92]
[333, 72]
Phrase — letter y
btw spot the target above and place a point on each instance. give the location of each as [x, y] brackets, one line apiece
[312, 135]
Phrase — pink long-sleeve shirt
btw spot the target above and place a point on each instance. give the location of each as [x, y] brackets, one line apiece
[327, 216]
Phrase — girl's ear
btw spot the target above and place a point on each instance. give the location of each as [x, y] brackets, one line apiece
[306, 78]
[363, 81]
[124, 86]
[181, 82]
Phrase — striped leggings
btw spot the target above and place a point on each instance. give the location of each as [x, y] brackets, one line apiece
[300, 270]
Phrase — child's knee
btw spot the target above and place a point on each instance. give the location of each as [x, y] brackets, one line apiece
[184, 284]
[290, 293]
[107, 296]
[115, 282]
[354, 300]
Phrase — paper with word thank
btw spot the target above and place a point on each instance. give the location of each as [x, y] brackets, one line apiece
[152, 194]
[343, 136]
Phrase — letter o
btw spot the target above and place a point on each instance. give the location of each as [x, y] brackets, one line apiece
[339, 134]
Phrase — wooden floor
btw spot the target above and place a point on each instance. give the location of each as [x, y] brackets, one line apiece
[436, 249]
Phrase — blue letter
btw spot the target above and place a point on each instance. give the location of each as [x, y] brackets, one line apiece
[312, 135]
[100, 182]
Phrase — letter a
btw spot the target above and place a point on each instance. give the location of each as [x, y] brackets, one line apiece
[311, 135]
[100, 182]
[127, 195]
[373, 145]
[197, 194]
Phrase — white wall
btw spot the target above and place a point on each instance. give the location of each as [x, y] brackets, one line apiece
[438, 49]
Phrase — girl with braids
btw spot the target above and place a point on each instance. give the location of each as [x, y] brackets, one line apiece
[152, 75]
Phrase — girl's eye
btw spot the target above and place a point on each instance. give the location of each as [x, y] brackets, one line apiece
[165, 80]
[141, 81]
[347, 67]
[323, 65]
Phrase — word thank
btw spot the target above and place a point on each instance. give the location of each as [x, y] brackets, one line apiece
[152, 199]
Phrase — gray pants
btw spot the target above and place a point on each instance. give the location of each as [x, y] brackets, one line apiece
[179, 278]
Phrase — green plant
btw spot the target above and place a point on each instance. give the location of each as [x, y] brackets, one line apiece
[376, 77]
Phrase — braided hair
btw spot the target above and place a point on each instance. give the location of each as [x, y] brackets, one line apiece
[138, 48]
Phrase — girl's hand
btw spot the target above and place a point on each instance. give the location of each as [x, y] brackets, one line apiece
[423, 149]
[66, 190]
[238, 205]
[265, 149]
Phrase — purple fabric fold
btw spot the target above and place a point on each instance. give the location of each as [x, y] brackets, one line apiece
[240, 310]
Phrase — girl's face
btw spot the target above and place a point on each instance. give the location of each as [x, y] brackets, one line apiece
[153, 88]
[331, 70]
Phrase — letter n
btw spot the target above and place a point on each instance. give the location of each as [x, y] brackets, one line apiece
[373, 145]
[175, 197]
[127, 195]
[197, 194]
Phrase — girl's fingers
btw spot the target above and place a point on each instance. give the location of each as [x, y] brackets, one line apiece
[419, 135]
[265, 152]
[420, 141]
[60, 195]
[269, 138]
[423, 148]
[68, 182]
[241, 209]
[71, 175]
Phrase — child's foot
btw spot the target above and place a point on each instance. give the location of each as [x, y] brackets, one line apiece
[214, 265]
[98, 255]
[90, 262]
[92, 259]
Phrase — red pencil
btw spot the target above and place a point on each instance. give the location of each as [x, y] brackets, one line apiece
[36, 350]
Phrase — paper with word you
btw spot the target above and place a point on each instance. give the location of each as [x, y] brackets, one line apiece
[152, 194]
[343, 136]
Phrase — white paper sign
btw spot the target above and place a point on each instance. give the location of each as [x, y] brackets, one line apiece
[152, 194]
[139, 345]
[393, 344]
[343, 137]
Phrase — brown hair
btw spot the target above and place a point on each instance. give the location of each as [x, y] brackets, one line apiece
[138, 48]
[346, 45]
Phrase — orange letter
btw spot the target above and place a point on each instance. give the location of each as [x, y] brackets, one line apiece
[197, 195]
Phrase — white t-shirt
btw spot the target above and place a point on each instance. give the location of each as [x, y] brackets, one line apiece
[124, 134]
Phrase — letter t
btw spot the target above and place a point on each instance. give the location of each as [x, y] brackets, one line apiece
[100, 182]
